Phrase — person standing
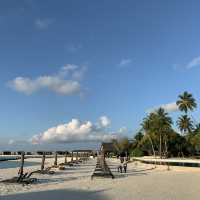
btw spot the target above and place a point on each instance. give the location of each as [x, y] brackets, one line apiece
[125, 165]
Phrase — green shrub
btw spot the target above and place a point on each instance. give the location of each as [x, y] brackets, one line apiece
[137, 152]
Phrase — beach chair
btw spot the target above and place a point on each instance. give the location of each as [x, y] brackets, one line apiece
[22, 178]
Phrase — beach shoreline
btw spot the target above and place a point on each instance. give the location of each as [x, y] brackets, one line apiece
[74, 181]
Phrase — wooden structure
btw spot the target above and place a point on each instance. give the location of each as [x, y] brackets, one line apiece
[56, 159]
[80, 154]
[107, 147]
[102, 169]
[23, 178]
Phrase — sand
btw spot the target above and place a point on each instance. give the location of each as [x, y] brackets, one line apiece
[142, 182]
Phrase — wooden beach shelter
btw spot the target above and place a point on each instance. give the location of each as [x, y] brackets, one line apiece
[82, 153]
[102, 169]
[106, 148]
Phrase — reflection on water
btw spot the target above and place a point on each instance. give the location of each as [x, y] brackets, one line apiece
[16, 163]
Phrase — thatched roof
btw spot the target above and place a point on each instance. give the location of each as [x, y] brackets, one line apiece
[108, 147]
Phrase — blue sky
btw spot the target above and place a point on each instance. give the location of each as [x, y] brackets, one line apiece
[103, 58]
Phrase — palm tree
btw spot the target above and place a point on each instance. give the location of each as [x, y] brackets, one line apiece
[185, 124]
[137, 139]
[164, 123]
[158, 123]
[147, 129]
[197, 129]
[186, 102]
[122, 145]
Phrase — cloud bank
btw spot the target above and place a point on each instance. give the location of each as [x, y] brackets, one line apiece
[65, 82]
[170, 107]
[76, 131]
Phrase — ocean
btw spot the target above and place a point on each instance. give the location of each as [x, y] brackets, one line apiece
[50, 147]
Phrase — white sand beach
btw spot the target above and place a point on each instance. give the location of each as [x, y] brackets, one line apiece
[140, 182]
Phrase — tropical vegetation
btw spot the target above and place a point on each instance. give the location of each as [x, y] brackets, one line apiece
[160, 136]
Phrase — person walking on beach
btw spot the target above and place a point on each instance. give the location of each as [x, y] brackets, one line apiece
[120, 167]
[121, 159]
[125, 165]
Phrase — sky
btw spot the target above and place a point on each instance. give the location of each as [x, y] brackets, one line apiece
[79, 71]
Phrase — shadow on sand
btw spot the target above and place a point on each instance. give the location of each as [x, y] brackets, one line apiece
[58, 194]
[133, 172]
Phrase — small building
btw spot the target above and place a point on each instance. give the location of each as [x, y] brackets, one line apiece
[107, 148]
[6, 153]
[46, 153]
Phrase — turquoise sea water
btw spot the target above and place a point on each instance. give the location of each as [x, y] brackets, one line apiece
[50, 147]
[14, 164]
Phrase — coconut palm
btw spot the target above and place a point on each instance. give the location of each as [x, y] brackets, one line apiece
[158, 123]
[137, 139]
[147, 129]
[122, 145]
[186, 102]
[185, 124]
[163, 124]
[197, 129]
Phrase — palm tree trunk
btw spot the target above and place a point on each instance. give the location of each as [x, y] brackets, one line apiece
[153, 150]
[72, 156]
[65, 158]
[152, 146]
[166, 149]
[160, 146]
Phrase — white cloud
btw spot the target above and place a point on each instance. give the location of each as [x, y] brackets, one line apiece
[104, 122]
[125, 62]
[75, 131]
[65, 82]
[43, 23]
[170, 107]
[193, 63]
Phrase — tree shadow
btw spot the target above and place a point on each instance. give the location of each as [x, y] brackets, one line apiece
[125, 175]
[58, 194]
[132, 172]
[143, 170]
[60, 179]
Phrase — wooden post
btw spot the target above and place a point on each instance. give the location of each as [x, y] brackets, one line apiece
[21, 171]
[72, 156]
[43, 161]
[103, 154]
[160, 147]
[56, 159]
[65, 157]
